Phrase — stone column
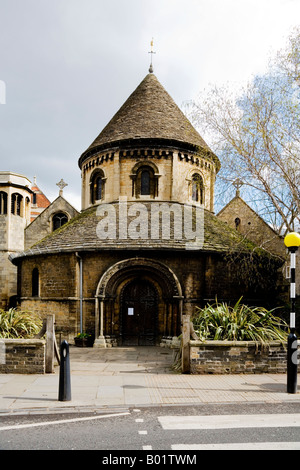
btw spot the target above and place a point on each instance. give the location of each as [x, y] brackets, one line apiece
[186, 344]
[99, 315]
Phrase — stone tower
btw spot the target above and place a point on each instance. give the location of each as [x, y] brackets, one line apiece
[149, 151]
[15, 205]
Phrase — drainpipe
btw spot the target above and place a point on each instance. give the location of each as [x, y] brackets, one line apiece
[80, 288]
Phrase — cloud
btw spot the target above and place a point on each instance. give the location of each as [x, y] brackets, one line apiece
[68, 66]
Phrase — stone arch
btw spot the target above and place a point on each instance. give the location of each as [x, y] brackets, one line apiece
[150, 170]
[97, 186]
[109, 294]
[107, 282]
[196, 184]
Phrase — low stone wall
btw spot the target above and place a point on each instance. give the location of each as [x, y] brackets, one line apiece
[22, 356]
[237, 357]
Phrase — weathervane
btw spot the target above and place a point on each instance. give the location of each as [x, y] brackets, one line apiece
[151, 52]
[61, 186]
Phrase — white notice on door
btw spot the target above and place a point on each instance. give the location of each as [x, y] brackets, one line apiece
[130, 311]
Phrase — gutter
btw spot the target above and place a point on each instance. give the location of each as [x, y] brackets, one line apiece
[80, 289]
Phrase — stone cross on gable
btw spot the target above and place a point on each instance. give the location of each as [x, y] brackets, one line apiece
[61, 186]
[238, 183]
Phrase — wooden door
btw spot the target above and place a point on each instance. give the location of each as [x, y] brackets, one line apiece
[139, 313]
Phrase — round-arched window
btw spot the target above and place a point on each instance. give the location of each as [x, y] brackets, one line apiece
[16, 204]
[197, 188]
[97, 187]
[3, 202]
[144, 182]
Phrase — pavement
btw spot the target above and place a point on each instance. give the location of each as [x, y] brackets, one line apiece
[121, 377]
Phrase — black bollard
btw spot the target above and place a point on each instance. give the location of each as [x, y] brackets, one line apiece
[64, 392]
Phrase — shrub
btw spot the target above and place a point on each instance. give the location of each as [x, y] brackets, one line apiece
[238, 323]
[16, 323]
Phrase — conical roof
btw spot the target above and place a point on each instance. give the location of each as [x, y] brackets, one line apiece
[148, 113]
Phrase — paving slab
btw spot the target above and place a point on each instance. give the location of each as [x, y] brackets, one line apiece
[129, 377]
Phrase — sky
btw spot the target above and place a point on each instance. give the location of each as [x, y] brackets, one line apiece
[67, 66]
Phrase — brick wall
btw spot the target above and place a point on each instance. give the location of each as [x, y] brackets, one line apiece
[22, 356]
[236, 357]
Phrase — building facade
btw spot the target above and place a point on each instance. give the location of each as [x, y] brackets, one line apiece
[26, 216]
[15, 206]
[147, 247]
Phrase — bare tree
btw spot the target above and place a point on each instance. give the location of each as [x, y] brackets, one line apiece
[256, 135]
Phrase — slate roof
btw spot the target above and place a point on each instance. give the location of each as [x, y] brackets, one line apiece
[80, 234]
[148, 113]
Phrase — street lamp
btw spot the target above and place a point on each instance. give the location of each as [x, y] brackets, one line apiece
[292, 242]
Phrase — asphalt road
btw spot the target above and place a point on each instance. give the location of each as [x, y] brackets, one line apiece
[175, 430]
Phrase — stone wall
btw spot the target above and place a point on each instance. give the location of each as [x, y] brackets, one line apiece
[236, 357]
[207, 276]
[22, 356]
[175, 172]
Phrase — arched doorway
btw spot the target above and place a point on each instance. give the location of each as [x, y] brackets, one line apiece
[139, 307]
[151, 289]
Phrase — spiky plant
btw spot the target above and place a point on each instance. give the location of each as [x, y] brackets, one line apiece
[16, 323]
[239, 322]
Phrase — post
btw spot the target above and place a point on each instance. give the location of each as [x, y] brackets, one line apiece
[50, 335]
[186, 333]
[64, 392]
[292, 338]
[292, 242]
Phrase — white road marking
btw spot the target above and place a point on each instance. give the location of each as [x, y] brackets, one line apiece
[240, 446]
[61, 421]
[230, 421]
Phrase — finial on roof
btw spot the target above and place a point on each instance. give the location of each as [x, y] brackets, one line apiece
[151, 52]
[237, 184]
[61, 186]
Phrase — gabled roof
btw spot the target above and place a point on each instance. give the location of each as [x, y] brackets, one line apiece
[148, 113]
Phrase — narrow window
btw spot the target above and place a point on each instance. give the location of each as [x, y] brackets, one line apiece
[237, 222]
[35, 282]
[145, 183]
[197, 189]
[3, 203]
[16, 204]
[97, 187]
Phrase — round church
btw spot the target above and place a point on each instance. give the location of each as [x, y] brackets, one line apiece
[146, 247]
